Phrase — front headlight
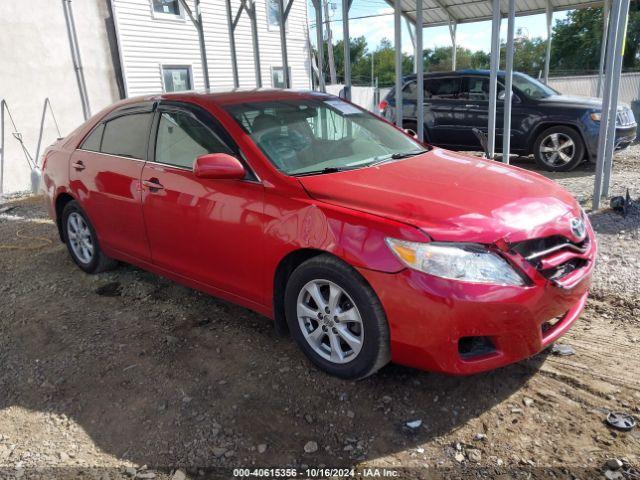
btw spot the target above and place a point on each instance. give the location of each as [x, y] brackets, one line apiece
[465, 262]
[595, 116]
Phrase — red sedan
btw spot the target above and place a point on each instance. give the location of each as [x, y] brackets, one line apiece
[366, 245]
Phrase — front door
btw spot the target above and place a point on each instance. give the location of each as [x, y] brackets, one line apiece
[203, 229]
[475, 91]
[105, 176]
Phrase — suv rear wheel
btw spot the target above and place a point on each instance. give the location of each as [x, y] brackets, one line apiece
[558, 149]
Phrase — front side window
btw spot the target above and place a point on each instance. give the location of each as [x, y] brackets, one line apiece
[305, 136]
[277, 77]
[477, 89]
[182, 138]
[127, 136]
[166, 7]
[531, 87]
[176, 79]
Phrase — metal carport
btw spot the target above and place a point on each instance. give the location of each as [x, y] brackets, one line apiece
[428, 13]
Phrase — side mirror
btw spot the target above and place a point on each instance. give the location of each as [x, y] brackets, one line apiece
[218, 166]
[502, 94]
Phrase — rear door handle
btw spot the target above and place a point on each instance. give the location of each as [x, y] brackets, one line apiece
[78, 165]
[471, 105]
[153, 184]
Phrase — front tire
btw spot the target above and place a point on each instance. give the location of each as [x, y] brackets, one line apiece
[336, 318]
[558, 149]
[82, 241]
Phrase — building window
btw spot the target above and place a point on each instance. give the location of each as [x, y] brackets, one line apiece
[277, 77]
[169, 8]
[176, 78]
[273, 13]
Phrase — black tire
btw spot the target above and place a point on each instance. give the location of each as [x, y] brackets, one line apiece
[550, 163]
[99, 261]
[375, 351]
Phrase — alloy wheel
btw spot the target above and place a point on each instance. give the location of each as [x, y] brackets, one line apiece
[330, 321]
[80, 238]
[557, 149]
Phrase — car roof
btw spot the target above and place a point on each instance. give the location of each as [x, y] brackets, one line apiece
[456, 73]
[233, 96]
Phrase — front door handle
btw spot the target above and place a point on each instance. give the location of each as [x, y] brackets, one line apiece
[153, 184]
[471, 105]
[78, 165]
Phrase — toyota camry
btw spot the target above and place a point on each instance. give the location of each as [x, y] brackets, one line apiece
[365, 244]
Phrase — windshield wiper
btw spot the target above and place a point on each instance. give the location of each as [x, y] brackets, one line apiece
[323, 171]
[396, 156]
[399, 155]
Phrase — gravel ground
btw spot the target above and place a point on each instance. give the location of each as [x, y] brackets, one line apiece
[126, 374]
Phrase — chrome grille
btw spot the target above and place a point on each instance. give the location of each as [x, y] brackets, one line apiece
[554, 257]
[625, 117]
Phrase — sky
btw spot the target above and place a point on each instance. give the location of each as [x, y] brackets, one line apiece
[474, 36]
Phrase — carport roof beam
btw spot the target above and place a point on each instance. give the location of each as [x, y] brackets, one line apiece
[439, 12]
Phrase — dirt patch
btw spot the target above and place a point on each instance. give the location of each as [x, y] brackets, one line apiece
[102, 375]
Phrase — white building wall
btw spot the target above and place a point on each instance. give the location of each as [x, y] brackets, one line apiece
[147, 43]
[35, 61]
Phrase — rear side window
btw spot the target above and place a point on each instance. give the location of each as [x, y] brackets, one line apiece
[442, 88]
[182, 138]
[94, 140]
[127, 136]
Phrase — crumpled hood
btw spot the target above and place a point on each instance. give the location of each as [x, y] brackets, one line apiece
[453, 197]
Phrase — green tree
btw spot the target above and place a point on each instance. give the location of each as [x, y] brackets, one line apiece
[576, 40]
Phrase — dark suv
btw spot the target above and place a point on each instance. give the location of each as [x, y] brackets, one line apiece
[559, 130]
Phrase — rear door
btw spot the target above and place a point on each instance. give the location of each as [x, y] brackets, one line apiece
[105, 176]
[203, 229]
[444, 111]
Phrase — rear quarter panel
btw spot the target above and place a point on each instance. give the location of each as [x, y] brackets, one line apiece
[55, 175]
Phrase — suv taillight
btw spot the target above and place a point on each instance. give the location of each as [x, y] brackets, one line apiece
[383, 106]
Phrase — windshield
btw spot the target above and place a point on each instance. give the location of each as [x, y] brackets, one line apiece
[304, 136]
[531, 87]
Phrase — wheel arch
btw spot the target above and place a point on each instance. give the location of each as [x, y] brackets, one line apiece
[61, 201]
[285, 268]
[533, 136]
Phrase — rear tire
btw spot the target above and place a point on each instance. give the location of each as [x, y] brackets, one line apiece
[336, 318]
[82, 241]
[558, 149]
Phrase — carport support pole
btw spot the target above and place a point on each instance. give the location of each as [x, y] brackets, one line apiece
[508, 82]
[283, 43]
[397, 24]
[493, 79]
[606, 14]
[612, 40]
[232, 46]
[320, 41]
[419, 70]
[453, 29]
[346, 41]
[547, 55]
[615, 89]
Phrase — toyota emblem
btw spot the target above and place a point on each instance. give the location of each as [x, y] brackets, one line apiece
[578, 229]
